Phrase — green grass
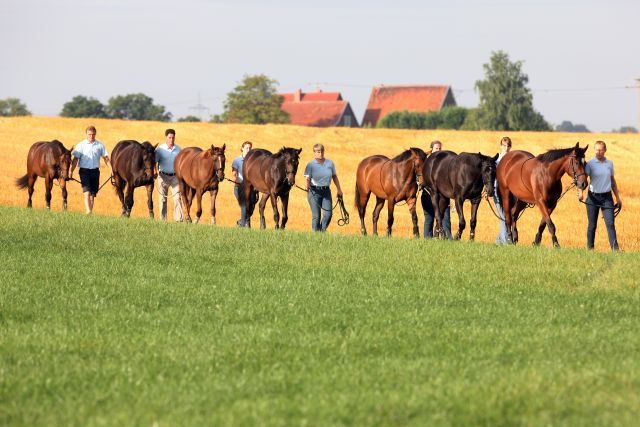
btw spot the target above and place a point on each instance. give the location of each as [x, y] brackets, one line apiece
[106, 321]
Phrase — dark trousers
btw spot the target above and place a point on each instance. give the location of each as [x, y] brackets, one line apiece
[430, 216]
[605, 200]
[244, 210]
[320, 204]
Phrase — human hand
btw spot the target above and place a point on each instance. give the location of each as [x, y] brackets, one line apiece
[339, 193]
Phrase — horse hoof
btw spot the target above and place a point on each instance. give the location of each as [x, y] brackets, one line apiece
[197, 220]
[213, 221]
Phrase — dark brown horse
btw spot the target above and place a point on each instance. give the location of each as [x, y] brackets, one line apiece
[273, 175]
[524, 179]
[391, 180]
[133, 166]
[464, 176]
[198, 171]
[49, 160]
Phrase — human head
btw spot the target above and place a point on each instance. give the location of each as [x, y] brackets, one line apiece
[91, 133]
[246, 147]
[435, 146]
[505, 144]
[600, 148]
[170, 135]
[318, 151]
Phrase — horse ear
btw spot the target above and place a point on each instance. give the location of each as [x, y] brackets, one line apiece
[494, 158]
[155, 146]
[584, 150]
[299, 151]
[224, 147]
[72, 147]
[577, 144]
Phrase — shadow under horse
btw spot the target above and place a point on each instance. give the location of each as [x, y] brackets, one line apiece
[133, 165]
[527, 179]
[464, 176]
[49, 160]
[199, 171]
[390, 180]
[273, 175]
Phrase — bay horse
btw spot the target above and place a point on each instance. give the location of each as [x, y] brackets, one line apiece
[199, 171]
[390, 180]
[133, 165]
[49, 160]
[464, 176]
[273, 175]
[524, 179]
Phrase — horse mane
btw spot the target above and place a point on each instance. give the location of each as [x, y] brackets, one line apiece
[555, 154]
[58, 144]
[407, 154]
[147, 146]
[285, 150]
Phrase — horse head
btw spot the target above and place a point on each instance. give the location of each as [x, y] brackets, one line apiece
[64, 164]
[488, 171]
[291, 158]
[149, 161]
[419, 157]
[575, 165]
[219, 159]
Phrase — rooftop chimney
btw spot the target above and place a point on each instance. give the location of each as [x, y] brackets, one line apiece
[297, 95]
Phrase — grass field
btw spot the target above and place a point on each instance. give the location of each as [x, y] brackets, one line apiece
[105, 321]
[346, 147]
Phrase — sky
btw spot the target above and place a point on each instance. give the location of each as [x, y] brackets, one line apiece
[581, 56]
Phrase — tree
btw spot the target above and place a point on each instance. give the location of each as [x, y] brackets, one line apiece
[11, 107]
[254, 101]
[81, 106]
[506, 102]
[625, 129]
[567, 126]
[136, 106]
[447, 118]
[189, 118]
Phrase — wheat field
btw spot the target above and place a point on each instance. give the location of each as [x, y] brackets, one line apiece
[346, 147]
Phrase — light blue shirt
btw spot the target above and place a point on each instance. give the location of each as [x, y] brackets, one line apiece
[320, 174]
[165, 157]
[89, 154]
[237, 165]
[600, 174]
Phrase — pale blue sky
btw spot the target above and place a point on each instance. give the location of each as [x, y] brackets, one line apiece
[579, 55]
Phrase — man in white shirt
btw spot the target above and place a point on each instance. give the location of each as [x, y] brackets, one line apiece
[165, 156]
[88, 153]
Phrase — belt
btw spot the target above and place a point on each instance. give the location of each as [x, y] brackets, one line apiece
[318, 187]
[600, 194]
[167, 173]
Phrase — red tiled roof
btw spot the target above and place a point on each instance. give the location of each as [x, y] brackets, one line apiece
[386, 99]
[313, 96]
[315, 113]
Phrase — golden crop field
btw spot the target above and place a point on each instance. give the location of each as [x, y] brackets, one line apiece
[346, 147]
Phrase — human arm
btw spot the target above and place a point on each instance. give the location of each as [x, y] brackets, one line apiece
[234, 173]
[614, 188]
[336, 181]
[108, 163]
[74, 163]
[307, 180]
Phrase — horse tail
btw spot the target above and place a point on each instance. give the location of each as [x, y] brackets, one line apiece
[22, 182]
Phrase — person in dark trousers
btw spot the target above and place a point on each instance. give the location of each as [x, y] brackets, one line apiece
[236, 171]
[319, 173]
[88, 153]
[429, 211]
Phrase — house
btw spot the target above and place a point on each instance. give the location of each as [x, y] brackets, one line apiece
[414, 98]
[321, 109]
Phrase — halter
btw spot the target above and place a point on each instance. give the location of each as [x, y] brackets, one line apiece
[416, 171]
[219, 165]
[573, 170]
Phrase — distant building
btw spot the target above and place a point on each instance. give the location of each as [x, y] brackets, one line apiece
[321, 109]
[414, 98]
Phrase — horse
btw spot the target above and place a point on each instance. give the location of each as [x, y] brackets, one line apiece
[524, 179]
[273, 175]
[133, 166]
[390, 180]
[49, 160]
[198, 171]
[464, 176]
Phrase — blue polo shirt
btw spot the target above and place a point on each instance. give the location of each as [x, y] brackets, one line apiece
[600, 174]
[320, 174]
[89, 154]
[165, 157]
[237, 166]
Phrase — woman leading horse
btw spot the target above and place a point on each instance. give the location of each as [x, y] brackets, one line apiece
[527, 179]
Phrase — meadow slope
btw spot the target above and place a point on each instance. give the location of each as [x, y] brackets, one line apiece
[346, 147]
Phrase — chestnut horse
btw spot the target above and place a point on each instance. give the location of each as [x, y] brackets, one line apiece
[524, 179]
[133, 166]
[198, 171]
[273, 175]
[49, 160]
[464, 176]
[391, 180]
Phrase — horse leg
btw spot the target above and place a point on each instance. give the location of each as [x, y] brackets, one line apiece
[199, 202]
[436, 201]
[285, 209]
[213, 193]
[119, 190]
[414, 216]
[276, 214]
[519, 207]
[63, 187]
[376, 214]
[129, 198]
[390, 207]
[541, 227]
[362, 198]
[30, 188]
[48, 185]
[474, 219]
[150, 199]
[261, 206]
[186, 201]
[462, 222]
[546, 213]
[506, 210]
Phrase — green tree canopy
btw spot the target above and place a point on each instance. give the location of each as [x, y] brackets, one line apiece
[13, 107]
[189, 118]
[81, 106]
[506, 102]
[136, 106]
[254, 101]
[446, 118]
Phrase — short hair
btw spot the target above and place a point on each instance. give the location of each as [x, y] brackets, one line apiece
[436, 142]
[604, 144]
[249, 143]
[507, 140]
[169, 132]
[91, 128]
[318, 147]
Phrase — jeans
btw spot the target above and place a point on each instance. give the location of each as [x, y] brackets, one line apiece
[320, 203]
[239, 193]
[430, 215]
[502, 235]
[606, 200]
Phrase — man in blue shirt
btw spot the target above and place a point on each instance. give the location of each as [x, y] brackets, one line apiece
[88, 153]
[165, 155]
[319, 173]
[505, 147]
[236, 171]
